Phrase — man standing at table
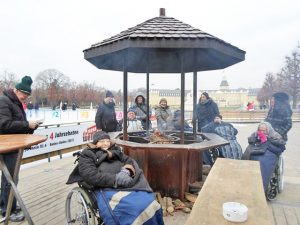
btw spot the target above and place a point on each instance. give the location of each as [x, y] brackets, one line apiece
[13, 121]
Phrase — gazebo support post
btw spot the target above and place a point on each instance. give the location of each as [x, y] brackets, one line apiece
[194, 102]
[147, 97]
[182, 95]
[125, 97]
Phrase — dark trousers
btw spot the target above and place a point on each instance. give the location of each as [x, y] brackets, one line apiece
[10, 161]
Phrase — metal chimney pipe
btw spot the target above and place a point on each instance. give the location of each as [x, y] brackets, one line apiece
[162, 12]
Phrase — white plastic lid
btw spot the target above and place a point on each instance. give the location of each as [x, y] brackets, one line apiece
[235, 212]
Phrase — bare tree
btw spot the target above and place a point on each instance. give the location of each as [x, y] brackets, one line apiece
[289, 76]
[7, 80]
[55, 82]
[269, 87]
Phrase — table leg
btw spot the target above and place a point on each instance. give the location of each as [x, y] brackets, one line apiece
[14, 190]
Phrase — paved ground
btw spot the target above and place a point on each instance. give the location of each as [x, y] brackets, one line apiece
[44, 191]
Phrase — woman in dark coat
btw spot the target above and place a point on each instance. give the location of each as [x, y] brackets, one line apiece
[206, 111]
[280, 114]
[117, 181]
[106, 115]
[265, 146]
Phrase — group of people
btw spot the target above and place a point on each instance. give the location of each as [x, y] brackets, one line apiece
[116, 177]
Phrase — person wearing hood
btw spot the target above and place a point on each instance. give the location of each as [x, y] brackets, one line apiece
[280, 114]
[206, 111]
[122, 191]
[265, 146]
[106, 115]
[164, 115]
[13, 121]
[140, 107]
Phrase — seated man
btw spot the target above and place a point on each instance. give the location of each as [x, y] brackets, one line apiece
[228, 132]
[177, 122]
[265, 146]
[132, 123]
[123, 193]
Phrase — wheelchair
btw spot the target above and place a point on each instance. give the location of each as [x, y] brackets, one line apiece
[81, 207]
[277, 181]
[81, 204]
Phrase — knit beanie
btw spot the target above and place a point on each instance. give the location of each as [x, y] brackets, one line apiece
[99, 135]
[109, 94]
[25, 85]
[163, 99]
[205, 94]
[281, 96]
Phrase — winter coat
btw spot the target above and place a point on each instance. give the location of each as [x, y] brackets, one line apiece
[266, 153]
[275, 144]
[98, 171]
[106, 117]
[280, 117]
[233, 150]
[206, 112]
[164, 118]
[12, 115]
[141, 112]
[176, 121]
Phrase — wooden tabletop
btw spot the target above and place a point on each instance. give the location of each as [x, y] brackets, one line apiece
[13, 142]
[231, 181]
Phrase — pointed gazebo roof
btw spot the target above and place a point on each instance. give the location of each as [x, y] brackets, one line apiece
[163, 45]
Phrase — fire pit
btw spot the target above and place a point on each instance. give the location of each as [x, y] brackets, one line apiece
[169, 168]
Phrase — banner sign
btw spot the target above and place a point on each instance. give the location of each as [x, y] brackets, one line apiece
[62, 137]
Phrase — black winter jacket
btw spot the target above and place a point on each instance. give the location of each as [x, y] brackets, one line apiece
[95, 169]
[12, 116]
[106, 117]
[280, 117]
[206, 112]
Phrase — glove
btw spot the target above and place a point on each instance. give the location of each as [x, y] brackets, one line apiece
[262, 136]
[123, 178]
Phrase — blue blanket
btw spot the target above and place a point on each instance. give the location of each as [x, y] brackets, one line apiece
[129, 207]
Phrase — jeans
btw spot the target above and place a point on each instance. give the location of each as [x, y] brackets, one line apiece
[10, 161]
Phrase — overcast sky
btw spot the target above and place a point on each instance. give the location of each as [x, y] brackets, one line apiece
[37, 35]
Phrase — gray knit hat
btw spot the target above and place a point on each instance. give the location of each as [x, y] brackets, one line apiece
[99, 135]
[25, 85]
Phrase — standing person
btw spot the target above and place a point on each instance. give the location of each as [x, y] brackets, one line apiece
[140, 108]
[106, 115]
[228, 132]
[280, 114]
[13, 121]
[206, 110]
[163, 115]
[30, 108]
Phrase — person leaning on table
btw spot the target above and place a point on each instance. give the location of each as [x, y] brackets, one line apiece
[13, 121]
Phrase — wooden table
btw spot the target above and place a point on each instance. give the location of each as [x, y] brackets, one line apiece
[231, 181]
[16, 143]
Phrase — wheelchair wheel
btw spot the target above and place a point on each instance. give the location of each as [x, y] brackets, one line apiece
[279, 174]
[78, 208]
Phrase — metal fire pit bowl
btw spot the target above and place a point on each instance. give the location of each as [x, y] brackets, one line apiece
[169, 168]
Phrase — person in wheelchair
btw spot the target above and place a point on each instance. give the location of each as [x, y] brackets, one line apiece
[265, 146]
[122, 191]
[233, 150]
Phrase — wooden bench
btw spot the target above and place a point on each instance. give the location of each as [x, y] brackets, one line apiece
[231, 181]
